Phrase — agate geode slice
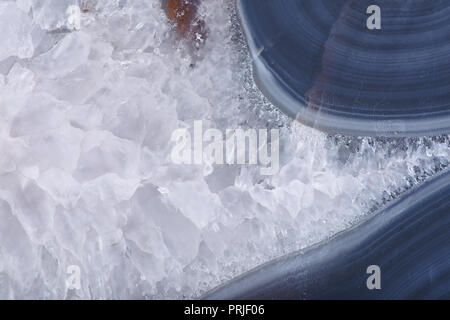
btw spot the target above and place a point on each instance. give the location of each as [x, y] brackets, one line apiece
[318, 61]
[408, 241]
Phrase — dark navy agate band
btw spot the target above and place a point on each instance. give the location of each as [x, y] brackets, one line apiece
[409, 241]
[318, 62]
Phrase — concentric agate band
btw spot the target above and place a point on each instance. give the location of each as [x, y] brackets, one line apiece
[408, 241]
[318, 62]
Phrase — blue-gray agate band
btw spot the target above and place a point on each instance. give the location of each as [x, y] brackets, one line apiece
[409, 241]
[318, 62]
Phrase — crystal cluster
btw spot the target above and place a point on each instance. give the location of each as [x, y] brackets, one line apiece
[86, 177]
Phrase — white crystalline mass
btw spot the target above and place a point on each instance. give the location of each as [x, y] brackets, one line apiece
[69, 54]
[49, 14]
[85, 173]
[16, 27]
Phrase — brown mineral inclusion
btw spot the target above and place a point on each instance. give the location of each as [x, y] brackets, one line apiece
[183, 13]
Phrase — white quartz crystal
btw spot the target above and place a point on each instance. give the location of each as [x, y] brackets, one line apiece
[16, 27]
[86, 177]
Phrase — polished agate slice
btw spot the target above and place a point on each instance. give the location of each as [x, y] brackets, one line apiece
[407, 242]
[323, 62]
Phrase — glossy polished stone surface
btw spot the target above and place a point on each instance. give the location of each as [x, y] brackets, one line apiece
[318, 61]
[409, 241]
